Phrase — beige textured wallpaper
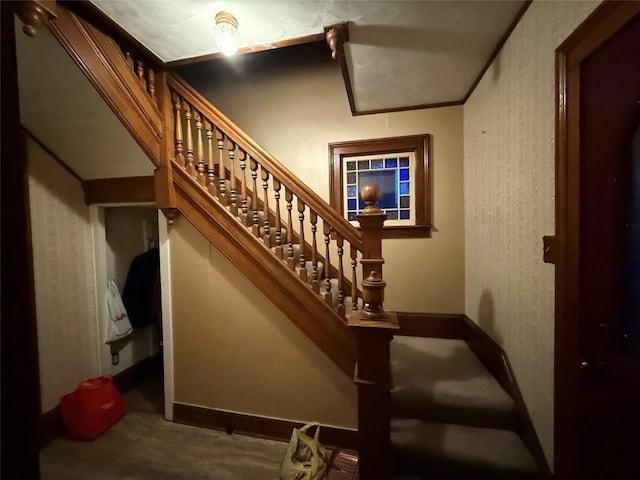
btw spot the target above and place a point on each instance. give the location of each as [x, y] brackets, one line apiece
[63, 267]
[234, 350]
[294, 106]
[509, 125]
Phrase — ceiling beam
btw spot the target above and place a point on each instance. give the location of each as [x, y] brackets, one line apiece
[336, 36]
[316, 37]
[119, 190]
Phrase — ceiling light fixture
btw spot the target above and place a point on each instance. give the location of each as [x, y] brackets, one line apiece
[226, 33]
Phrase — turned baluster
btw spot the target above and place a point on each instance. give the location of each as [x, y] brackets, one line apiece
[211, 179]
[233, 195]
[190, 166]
[140, 73]
[278, 223]
[340, 243]
[288, 196]
[302, 271]
[129, 59]
[242, 156]
[328, 297]
[222, 186]
[199, 148]
[255, 219]
[313, 219]
[266, 228]
[152, 85]
[354, 278]
[178, 133]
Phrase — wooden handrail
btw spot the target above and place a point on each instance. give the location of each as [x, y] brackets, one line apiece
[289, 180]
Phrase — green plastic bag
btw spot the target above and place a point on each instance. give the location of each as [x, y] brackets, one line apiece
[305, 459]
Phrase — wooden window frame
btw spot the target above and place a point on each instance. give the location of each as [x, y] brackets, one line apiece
[419, 145]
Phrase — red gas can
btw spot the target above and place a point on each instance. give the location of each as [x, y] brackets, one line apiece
[92, 408]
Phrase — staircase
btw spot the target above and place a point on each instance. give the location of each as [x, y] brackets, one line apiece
[451, 418]
[285, 238]
[449, 413]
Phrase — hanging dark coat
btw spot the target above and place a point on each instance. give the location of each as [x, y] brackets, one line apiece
[141, 294]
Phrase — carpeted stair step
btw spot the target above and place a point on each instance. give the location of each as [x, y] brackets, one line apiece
[308, 263]
[441, 380]
[348, 304]
[272, 236]
[285, 250]
[446, 451]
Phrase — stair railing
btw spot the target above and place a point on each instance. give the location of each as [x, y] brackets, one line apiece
[234, 170]
[278, 208]
[143, 70]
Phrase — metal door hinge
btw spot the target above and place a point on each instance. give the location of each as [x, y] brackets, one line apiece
[549, 249]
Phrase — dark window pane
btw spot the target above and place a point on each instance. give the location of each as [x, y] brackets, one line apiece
[377, 164]
[404, 202]
[390, 162]
[351, 177]
[404, 188]
[351, 204]
[387, 181]
[392, 214]
[351, 165]
[352, 192]
[351, 216]
[404, 215]
[363, 164]
[404, 161]
[404, 174]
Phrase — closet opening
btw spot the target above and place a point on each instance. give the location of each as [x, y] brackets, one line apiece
[127, 251]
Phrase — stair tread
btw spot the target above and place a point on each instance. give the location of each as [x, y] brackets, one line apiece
[475, 451]
[442, 380]
[348, 304]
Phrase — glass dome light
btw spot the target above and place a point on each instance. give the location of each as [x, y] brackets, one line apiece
[226, 33]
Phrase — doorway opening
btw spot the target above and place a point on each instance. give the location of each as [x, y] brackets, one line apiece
[127, 251]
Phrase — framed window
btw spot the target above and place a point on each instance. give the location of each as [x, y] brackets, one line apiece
[399, 166]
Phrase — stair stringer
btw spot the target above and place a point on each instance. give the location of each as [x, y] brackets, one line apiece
[104, 65]
[295, 298]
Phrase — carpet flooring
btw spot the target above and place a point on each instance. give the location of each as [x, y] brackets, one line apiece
[142, 445]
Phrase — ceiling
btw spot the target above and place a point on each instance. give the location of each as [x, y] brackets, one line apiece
[66, 113]
[400, 54]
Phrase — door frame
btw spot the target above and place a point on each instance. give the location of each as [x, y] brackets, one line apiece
[96, 216]
[599, 27]
[20, 375]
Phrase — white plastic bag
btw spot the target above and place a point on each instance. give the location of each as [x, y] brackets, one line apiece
[118, 324]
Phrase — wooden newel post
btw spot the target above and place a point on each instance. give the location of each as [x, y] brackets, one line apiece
[35, 14]
[374, 328]
[170, 108]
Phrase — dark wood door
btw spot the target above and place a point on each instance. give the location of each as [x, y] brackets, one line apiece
[20, 389]
[609, 305]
